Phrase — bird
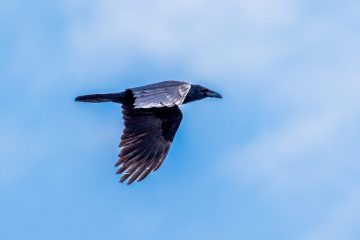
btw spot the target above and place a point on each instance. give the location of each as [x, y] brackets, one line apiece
[151, 117]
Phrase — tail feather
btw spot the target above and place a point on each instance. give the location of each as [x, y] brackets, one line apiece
[98, 98]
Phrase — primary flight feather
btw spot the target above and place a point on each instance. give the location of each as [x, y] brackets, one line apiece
[151, 117]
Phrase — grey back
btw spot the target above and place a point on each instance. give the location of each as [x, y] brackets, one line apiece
[163, 94]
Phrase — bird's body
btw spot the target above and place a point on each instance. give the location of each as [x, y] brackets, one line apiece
[151, 116]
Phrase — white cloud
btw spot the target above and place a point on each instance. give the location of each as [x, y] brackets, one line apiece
[211, 37]
[281, 157]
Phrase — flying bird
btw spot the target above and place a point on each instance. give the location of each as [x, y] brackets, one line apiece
[151, 116]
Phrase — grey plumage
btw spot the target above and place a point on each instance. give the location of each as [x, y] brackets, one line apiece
[164, 94]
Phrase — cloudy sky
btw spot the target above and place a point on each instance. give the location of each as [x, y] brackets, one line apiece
[277, 158]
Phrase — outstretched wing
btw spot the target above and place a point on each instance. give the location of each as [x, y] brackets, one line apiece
[146, 140]
[164, 94]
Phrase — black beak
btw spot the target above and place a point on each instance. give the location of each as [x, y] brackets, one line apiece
[214, 94]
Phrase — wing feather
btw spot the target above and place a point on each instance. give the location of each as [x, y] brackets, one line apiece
[146, 140]
[164, 94]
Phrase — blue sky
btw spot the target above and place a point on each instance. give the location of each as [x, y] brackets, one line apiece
[278, 158]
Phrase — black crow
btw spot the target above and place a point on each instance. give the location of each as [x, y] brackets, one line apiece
[152, 116]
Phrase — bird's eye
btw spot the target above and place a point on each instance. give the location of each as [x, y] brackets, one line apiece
[205, 90]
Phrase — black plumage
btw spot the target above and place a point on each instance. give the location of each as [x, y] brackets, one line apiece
[151, 116]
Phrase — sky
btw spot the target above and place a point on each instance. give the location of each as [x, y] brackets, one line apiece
[277, 158]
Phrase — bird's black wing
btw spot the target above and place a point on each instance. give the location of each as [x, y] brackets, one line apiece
[163, 94]
[146, 140]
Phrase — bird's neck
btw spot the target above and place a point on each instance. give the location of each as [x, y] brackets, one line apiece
[193, 95]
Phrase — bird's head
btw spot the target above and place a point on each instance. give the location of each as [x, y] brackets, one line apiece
[198, 92]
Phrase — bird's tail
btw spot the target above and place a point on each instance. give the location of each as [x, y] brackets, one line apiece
[98, 98]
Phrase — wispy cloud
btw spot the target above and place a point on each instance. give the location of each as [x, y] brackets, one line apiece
[210, 37]
[298, 153]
